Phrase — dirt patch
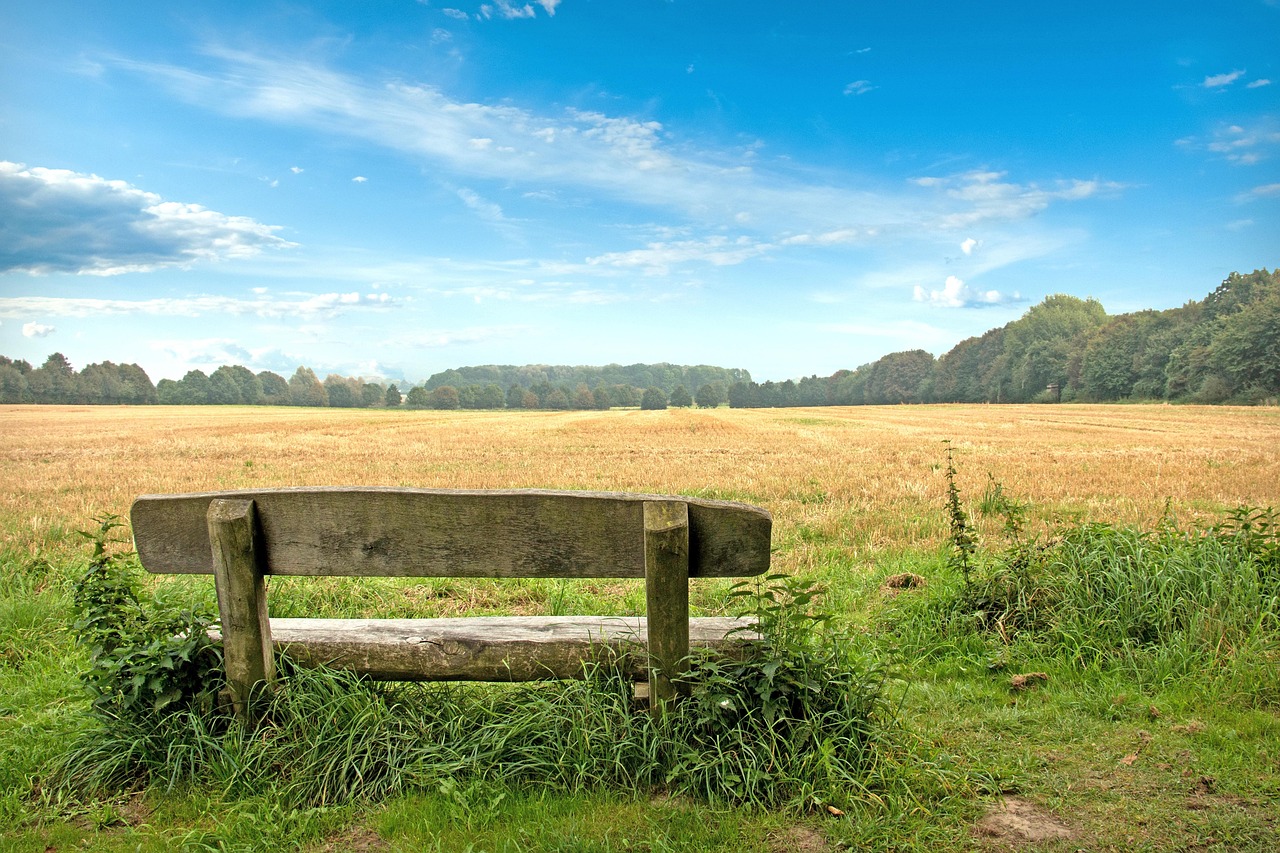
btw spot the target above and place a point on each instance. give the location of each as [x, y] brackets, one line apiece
[798, 839]
[1027, 680]
[895, 584]
[1014, 821]
[357, 839]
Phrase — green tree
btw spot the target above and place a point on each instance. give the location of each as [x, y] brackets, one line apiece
[343, 393]
[680, 398]
[305, 389]
[556, 400]
[13, 385]
[417, 398]
[275, 389]
[583, 398]
[194, 389]
[371, 395]
[1246, 344]
[444, 397]
[54, 381]
[1039, 346]
[515, 397]
[169, 392]
[393, 398]
[250, 386]
[223, 388]
[491, 397]
[653, 399]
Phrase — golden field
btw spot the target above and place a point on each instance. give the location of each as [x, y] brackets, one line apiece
[857, 480]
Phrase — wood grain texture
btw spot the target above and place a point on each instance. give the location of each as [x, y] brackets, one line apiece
[242, 600]
[490, 648]
[364, 531]
[666, 555]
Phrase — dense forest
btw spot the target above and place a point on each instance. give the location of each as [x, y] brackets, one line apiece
[1222, 349]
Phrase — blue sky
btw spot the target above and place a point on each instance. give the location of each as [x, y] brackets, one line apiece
[392, 188]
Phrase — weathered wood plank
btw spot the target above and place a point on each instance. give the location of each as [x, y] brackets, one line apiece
[666, 555]
[488, 648]
[242, 601]
[362, 531]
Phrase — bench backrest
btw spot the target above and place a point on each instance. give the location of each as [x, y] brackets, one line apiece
[370, 532]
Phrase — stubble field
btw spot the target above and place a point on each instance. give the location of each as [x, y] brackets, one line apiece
[862, 479]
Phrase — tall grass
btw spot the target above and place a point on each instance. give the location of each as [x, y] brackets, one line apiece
[796, 722]
[1161, 605]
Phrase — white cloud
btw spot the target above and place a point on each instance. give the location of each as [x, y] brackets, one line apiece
[984, 195]
[291, 305]
[69, 222]
[1216, 81]
[485, 209]
[297, 170]
[359, 179]
[1243, 146]
[658, 258]
[969, 245]
[549, 6]
[506, 10]
[456, 14]
[620, 159]
[37, 330]
[1259, 83]
[858, 87]
[956, 294]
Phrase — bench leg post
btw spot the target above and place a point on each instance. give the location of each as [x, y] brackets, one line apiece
[666, 563]
[242, 603]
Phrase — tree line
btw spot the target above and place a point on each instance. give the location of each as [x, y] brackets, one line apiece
[1222, 349]
[57, 382]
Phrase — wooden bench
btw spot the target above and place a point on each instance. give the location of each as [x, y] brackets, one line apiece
[240, 537]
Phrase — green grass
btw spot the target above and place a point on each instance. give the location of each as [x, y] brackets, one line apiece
[1151, 723]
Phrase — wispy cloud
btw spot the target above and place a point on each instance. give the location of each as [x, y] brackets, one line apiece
[986, 195]
[614, 159]
[1217, 81]
[858, 87]
[659, 258]
[1243, 146]
[294, 305]
[1259, 83]
[63, 221]
[509, 11]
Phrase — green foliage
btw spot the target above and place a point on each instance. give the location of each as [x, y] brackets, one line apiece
[1166, 604]
[147, 658]
[964, 542]
[653, 399]
[794, 722]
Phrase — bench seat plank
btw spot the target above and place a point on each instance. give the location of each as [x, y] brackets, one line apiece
[487, 648]
[394, 532]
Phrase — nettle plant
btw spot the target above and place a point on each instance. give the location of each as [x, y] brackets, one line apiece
[147, 656]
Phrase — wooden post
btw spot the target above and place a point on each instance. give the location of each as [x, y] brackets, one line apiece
[242, 602]
[666, 563]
